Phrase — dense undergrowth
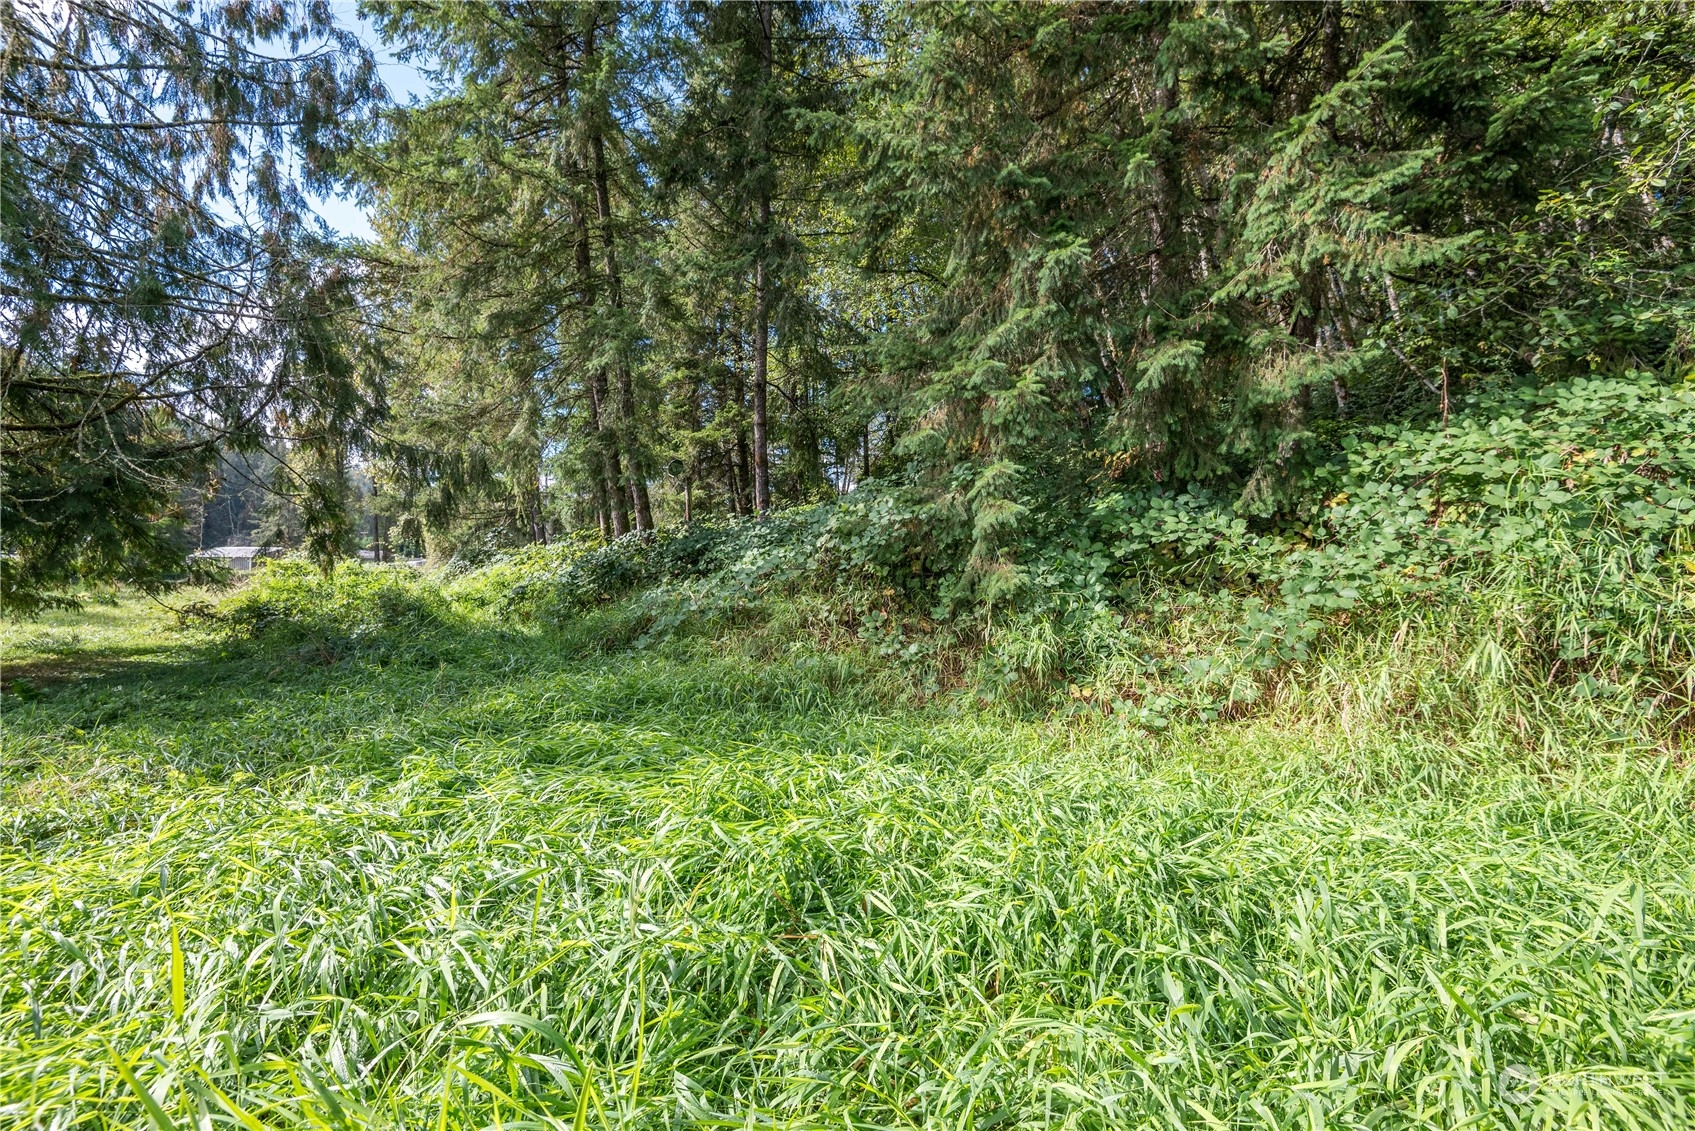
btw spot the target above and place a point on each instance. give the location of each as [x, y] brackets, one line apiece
[1380, 819]
[1528, 565]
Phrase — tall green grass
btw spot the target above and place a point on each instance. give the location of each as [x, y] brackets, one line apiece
[500, 879]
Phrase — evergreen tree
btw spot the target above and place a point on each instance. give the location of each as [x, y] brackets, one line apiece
[639, 262]
[515, 193]
[1187, 245]
[162, 292]
[743, 150]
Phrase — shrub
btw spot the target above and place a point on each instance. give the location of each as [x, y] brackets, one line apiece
[1551, 527]
[1539, 542]
[541, 584]
[355, 608]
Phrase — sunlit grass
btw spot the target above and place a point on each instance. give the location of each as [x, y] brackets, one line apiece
[109, 629]
[504, 880]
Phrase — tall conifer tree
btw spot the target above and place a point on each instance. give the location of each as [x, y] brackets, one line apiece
[746, 143]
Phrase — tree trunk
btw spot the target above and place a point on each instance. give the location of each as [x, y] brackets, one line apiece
[761, 285]
[761, 346]
[602, 511]
[1332, 61]
[733, 476]
[609, 494]
[1165, 206]
[611, 474]
[636, 482]
[533, 505]
[1310, 301]
[740, 469]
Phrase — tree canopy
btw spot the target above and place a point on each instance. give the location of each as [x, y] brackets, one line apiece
[163, 289]
[641, 264]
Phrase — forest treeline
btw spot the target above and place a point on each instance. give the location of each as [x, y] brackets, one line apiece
[1024, 282]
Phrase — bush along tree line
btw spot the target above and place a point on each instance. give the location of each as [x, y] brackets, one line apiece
[1078, 321]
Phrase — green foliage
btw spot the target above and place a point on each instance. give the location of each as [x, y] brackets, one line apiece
[69, 521]
[553, 583]
[328, 616]
[640, 265]
[1245, 680]
[1202, 245]
[1543, 532]
[1557, 520]
[558, 581]
[165, 293]
[1564, 474]
[725, 881]
[1586, 273]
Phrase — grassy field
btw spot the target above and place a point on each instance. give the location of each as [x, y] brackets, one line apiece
[503, 879]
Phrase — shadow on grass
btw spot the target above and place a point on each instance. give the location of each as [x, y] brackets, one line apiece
[104, 636]
[288, 700]
[28, 678]
[109, 727]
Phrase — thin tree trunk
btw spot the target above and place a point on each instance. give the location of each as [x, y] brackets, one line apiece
[733, 476]
[761, 346]
[744, 463]
[609, 495]
[1304, 326]
[532, 504]
[761, 288]
[1164, 208]
[1332, 67]
[602, 512]
[740, 463]
[636, 482]
[611, 474]
[1332, 60]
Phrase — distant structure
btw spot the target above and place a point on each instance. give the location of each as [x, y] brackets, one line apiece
[382, 555]
[238, 558]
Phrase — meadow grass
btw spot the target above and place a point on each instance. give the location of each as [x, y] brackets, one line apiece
[485, 878]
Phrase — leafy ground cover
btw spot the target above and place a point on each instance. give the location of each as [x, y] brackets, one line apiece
[451, 873]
